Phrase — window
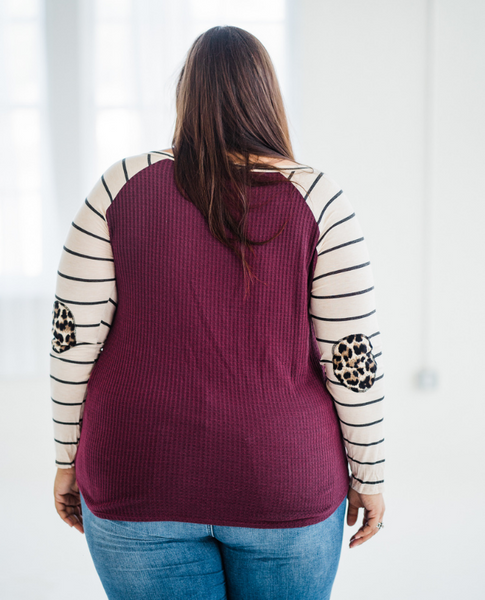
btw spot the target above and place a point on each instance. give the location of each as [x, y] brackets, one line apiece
[22, 114]
[139, 49]
[82, 84]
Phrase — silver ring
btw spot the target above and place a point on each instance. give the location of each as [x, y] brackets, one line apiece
[380, 525]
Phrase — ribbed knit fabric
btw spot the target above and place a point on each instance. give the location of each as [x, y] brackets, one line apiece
[203, 406]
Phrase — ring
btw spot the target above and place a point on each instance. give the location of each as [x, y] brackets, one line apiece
[380, 525]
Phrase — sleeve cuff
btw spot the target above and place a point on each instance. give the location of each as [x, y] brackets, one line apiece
[367, 488]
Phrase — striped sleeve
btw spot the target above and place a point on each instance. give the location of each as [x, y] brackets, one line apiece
[85, 303]
[84, 308]
[343, 312]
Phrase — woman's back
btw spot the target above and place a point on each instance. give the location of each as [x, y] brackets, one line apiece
[203, 406]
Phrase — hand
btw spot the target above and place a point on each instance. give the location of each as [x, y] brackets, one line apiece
[374, 508]
[67, 499]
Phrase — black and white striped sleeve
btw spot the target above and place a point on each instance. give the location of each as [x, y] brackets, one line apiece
[84, 308]
[343, 312]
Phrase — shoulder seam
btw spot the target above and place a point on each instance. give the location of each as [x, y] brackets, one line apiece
[122, 163]
[309, 193]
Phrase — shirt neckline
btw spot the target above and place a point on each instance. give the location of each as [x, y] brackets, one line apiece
[254, 170]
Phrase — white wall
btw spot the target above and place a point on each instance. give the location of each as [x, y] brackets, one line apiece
[389, 102]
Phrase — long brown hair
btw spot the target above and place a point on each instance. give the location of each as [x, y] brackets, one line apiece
[229, 105]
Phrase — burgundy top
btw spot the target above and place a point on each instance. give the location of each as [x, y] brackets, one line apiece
[203, 406]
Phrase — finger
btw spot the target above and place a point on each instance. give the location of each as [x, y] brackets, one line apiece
[75, 522]
[370, 526]
[362, 540]
[70, 518]
[365, 532]
[70, 510]
[352, 514]
[362, 527]
[67, 500]
[75, 516]
[79, 527]
[370, 519]
[78, 524]
[66, 510]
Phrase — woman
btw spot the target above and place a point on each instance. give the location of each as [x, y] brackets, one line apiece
[200, 291]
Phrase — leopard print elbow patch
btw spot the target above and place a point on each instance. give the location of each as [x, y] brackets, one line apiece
[354, 364]
[63, 328]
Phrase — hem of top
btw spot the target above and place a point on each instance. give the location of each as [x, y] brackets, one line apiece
[294, 523]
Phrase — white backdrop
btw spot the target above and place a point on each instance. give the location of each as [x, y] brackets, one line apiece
[386, 97]
[391, 104]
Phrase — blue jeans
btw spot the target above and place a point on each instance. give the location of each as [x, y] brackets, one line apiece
[176, 560]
